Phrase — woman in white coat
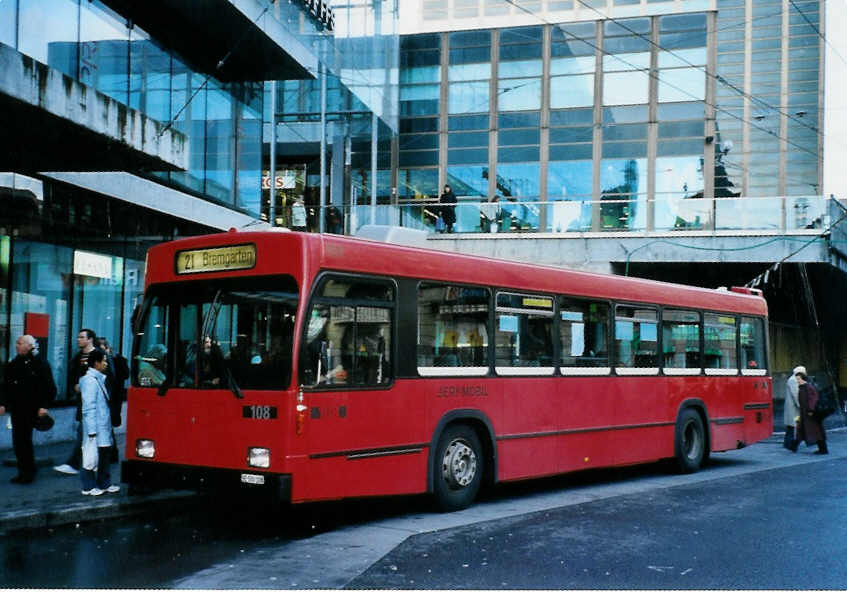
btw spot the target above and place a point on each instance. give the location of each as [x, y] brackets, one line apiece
[96, 425]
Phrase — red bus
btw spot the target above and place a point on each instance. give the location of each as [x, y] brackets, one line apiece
[322, 367]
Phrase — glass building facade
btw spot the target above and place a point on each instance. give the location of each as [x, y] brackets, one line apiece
[626, 123]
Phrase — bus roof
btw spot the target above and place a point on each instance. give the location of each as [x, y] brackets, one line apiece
[310, 253]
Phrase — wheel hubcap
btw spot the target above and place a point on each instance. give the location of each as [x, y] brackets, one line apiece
[458, 467]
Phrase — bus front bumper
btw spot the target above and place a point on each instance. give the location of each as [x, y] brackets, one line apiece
[152, 476]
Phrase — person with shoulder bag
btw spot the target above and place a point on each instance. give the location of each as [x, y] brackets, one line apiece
[96, 427]
[810, 426]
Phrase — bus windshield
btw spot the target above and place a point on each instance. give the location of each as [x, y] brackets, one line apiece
[227, 334]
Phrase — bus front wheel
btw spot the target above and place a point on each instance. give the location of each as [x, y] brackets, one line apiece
[690, 441]
[458, 468]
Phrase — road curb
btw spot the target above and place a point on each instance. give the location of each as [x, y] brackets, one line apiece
[93, 509]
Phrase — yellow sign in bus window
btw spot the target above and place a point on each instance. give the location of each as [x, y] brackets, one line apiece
[216, 259]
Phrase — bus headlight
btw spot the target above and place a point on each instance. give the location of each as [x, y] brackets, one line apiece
[145, 448]
[259, 457]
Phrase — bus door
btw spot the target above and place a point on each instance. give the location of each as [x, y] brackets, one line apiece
[359, 427]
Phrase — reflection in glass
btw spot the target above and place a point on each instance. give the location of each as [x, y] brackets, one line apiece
[468, 97]
[571, 91]
[623, 184]
[569, 186]
[468, 180]
[679, 193]
[625, 88]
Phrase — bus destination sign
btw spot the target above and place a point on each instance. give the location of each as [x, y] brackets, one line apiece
[216, 259]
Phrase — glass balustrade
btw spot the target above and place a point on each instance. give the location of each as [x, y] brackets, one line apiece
[562, 217]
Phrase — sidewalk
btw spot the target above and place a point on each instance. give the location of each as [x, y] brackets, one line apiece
[55, 499]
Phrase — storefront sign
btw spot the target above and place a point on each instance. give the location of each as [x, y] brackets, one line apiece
[92, 264]
[216, 259]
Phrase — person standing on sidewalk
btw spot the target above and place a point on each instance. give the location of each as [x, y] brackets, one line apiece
[97, 424]
[27, 391]
[810, 428]
[791, 409]
[78, 368]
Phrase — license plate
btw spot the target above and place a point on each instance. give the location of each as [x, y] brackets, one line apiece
[252, 479]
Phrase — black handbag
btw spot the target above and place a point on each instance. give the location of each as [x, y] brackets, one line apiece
[825, 405]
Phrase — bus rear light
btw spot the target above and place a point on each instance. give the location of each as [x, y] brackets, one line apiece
[259, 457]
[145, 448]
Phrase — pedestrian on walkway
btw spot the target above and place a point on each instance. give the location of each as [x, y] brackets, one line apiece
[810, 428]
[791, 409]
[116, 375]
[448, 208]
[78, 368]
[96, 425]
[28, 390]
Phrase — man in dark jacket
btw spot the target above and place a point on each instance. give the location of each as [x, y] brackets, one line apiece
[448, 208]
[27, 392]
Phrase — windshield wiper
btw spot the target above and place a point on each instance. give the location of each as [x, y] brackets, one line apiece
[232, 384]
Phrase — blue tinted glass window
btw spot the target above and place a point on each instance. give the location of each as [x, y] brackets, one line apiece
[415, 183]
[470, 55]
[468, 156]
[571, 151]
[623, 176]
[625, 88]
[518, 180]
[572, 117]
[468, 180]
[563, 135]
[517, 154]
[422, 74]
[625, 150]
[468, 122]
[48, 31]
[682, 84]
[420, 124]
[570, 178]
[507, 120]
[418, 158]
[418, 142]
[420, 58]
[518, 137]
[571, 91]
[625, 132]
[104, 51]
[467, 140]
[461, 72]
[627, 27]
[519, 94]
[8, 20]
[468, 97]
[572, 65]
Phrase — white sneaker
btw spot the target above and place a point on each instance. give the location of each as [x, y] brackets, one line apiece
[93, 491]
[66, 469]
[113, 488]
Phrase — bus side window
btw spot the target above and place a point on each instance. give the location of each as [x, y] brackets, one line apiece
[719, 333]
[636, 340]
[753, 360]
[583, 333]
[349, 335]
[452, 335]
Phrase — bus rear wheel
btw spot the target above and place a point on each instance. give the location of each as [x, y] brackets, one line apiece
[458, 468]
[690, 441]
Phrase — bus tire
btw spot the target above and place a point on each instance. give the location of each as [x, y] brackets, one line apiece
[690, 441]
[458, 468]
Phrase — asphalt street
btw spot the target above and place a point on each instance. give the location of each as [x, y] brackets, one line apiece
[778, 529]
